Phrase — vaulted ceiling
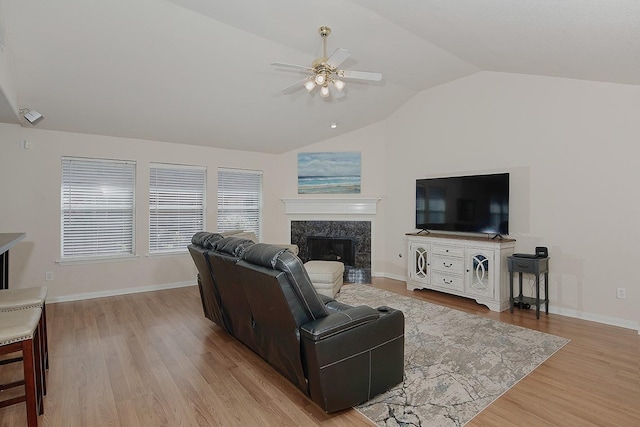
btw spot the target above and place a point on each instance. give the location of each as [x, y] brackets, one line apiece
[198, 71]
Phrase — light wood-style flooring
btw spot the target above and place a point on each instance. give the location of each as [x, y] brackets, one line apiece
[152, 359]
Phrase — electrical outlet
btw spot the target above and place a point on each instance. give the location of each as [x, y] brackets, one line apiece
[48, 276]
[621, 293]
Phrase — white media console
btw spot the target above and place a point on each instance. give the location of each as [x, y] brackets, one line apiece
[468, 266]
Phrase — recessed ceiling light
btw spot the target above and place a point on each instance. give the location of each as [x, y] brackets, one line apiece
[333, 125]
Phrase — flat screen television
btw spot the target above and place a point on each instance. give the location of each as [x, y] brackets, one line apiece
[473, 204]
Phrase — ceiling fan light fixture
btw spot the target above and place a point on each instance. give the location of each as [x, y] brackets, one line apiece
[325, 72]
[309, 85]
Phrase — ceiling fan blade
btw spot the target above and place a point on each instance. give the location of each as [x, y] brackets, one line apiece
[299, 67]
[338, 57]
[360, 75]
[295, 86]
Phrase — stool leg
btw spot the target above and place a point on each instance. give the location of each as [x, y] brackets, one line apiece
[28, 362]
[4, 267]
[41, 352]
[45, 339]
[39, 367]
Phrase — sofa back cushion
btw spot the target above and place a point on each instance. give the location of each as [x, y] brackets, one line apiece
[234, 246]
[280, 259]
[276, 317]
[208, 291]
[205, 239]
[250, 235]
[209, 294]
[234, 305]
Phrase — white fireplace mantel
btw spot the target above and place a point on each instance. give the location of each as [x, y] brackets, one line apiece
[331, 206]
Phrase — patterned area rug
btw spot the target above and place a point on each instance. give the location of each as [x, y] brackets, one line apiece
[456, 363]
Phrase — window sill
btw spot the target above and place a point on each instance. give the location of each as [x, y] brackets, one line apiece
[80, 261]
[167, 254]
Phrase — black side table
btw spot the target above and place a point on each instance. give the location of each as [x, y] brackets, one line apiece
[535, 266]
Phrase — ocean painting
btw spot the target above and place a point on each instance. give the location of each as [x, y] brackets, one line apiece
[329, 173]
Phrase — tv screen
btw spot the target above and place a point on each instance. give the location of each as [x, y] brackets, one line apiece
[474, 204]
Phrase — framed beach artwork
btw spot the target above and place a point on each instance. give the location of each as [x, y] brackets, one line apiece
[329, 173]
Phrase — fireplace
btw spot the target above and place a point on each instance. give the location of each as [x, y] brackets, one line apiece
[334, 237]
[331, 249]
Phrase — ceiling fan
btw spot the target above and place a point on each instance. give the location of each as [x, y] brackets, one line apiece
[325, 73]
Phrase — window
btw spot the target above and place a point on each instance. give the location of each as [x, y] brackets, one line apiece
[98, 208]
[437, 206]
[239, 200]
[176, 206]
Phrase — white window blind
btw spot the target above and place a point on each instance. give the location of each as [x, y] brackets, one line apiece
[239, 200]
[176, 206]
[98, 208]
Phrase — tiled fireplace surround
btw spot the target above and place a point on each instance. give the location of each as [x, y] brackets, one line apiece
[341, 218]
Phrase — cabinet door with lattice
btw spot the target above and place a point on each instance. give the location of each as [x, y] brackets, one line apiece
[420, 262]
[480, 267]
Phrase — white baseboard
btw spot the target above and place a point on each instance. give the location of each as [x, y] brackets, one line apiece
[391, 276]
[592, 317]
[115, 292]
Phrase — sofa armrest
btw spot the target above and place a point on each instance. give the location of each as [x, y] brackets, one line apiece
[348, 362]
[338, 322]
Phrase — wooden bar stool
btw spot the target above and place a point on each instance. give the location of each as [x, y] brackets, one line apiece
[21, 299]
[19, 333]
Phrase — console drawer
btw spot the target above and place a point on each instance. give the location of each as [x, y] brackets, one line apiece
[447, 264]
[455, 251]
[448, 282]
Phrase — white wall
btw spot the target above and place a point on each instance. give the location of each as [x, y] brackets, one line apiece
[571, 148]
[30, 202]
[8, 95]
